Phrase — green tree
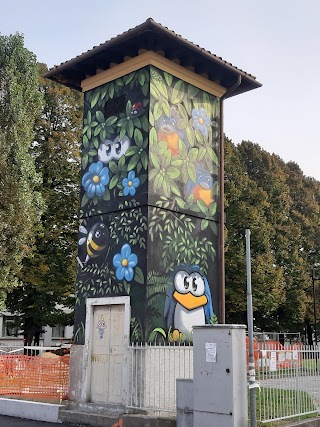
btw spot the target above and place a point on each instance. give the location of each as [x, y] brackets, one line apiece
[49, 276]
[246, 204]
[21, 204]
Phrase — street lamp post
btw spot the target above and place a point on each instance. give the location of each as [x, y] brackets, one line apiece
[313, 277]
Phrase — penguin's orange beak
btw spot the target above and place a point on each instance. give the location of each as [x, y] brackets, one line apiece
[189, 301]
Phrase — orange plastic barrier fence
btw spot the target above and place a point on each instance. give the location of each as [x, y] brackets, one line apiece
[34, 376]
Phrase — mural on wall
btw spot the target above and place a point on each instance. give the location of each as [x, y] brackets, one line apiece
[149, 200]
[113, 230]
[184, 138]
[182, 282]
[115, 143]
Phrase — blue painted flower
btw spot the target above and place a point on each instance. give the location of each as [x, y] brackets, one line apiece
[200, 120]
[95, 180]
[124, 262]
[130, 184]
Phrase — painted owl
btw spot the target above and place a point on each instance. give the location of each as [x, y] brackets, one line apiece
[113, 150]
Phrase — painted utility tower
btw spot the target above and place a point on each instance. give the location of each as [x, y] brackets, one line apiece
[151, 213]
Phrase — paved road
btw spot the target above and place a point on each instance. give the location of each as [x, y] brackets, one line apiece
[20, 422]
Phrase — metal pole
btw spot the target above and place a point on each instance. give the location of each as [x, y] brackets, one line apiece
[314, 307]
[252, 373]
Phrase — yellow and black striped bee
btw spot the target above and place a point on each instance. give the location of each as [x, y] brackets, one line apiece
[96, 240]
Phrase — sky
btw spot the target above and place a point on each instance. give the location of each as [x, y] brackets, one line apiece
[278, 41]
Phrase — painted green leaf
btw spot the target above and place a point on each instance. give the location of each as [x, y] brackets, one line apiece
[154, 160]
[113, 167]
[166, 187]
[177, 162]
[183, 149]
[213, 156]
[165, 107]
[113, 182]
[96, 143]
[143, 178]
[89, 133]
[130, 128]
[84, 200]
[152, 173]
[145, 89]
[168, 78]
[85, 160]
[122, 164]
[204, 224]
[151, 118]
[183, 112]
[137, 122]
[192, 91]
[158, 182]
[89, 117]
[129, 78]
[133, 162]
[193, 154]
[162, 88]
[100, 116]
[93, 124]
[213, 226]
[175, 189]
[215, 189]
[104, 91]
[157, 111]
[142, 79]
[154, 92]
[162, 147]
[202, 206]
[181, 203]
[131, 151]
[201, 153]
[111, 120]
[144, 160]
[128, 108]
[106, 195]
[178, 92]
[92, 152]
[139, 277]
[111, 90]
[119, 82]
[85, 141]
[190, 135]
[122, 132]
[145, 123]
[172, 172]
[213, 209]
[138, 137]
[192, 172]
[207, 104]
[95, 97]
[153, 137]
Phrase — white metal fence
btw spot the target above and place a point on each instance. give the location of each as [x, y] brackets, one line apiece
[289, 380]
[288, 377]
[153, 373]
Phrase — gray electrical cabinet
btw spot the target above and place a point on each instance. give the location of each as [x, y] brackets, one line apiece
[220, 376]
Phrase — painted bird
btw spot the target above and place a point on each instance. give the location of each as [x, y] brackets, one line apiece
[188, 301]
[202, 188]
[96, 240]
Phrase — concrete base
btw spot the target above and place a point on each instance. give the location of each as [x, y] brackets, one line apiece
[107, 420]
[30, 410]
[77, 376]
[311, 422]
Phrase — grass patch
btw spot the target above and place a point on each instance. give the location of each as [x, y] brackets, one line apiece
[272, 403]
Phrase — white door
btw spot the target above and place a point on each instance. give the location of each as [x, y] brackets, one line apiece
[107, 353]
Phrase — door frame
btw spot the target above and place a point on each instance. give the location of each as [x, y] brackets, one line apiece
[90, 304]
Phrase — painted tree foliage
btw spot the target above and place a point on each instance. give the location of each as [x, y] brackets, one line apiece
[48, 277]
[21, 203]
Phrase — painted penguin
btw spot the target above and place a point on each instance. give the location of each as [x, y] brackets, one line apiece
[113, 149]
[188, 302]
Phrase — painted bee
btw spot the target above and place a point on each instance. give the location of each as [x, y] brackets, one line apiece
[96, 240]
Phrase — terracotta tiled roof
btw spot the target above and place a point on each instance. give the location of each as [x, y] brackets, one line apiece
[150, 35]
